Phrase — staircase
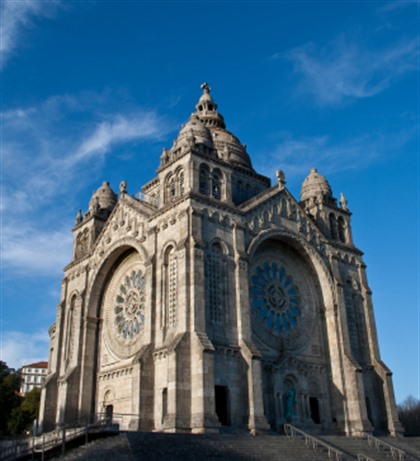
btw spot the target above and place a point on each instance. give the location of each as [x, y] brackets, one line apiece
[351, 446]
[143, 446]
[223, 447]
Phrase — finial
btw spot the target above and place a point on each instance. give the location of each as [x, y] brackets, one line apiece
[205, 87]
[79, 217]
[281, 178]
[123, 188]
[343, 202]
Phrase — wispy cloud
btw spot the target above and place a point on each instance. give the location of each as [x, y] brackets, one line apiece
[345, 69]
[397, 5]
[14, 348]
[119, 130]
[17, 16]
[296, 156]
[49, 154]
[36, 251]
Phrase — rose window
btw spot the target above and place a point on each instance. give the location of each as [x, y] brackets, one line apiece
[129, 306]
[275, 299]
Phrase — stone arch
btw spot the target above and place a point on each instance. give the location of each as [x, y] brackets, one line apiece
[226, 248]
[169, 274]
[217, 184]
[341, 229]
[307, 251]
[93, 357]
[328, 323]
[170, 187]
[70, 327]
[180, 181]
[333, 226]
[204, 179]
[100, 274]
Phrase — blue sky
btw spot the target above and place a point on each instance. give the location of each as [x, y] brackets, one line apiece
[93, 90]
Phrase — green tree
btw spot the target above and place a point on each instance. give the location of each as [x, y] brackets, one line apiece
[22, 417]
[9, 395]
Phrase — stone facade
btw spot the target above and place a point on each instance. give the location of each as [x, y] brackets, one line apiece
[214, 298]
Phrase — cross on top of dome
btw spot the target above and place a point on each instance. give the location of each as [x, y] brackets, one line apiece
[205, 87]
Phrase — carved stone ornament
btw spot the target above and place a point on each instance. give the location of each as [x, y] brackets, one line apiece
[125, 305]
[283, 300]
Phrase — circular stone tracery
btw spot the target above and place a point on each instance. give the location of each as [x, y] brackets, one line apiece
[275, 299]
[129, 306]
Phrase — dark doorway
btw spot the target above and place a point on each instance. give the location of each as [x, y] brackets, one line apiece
[164, 404]
[109, 410]
[369, 411]
[222, 404]
[314, 406]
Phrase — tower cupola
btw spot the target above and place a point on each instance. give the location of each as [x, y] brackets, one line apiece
[315, 186]
[207, 109]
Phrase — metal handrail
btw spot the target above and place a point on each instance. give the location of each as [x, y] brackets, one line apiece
[314, 442]
[379, 444]
[362, 457]
[17, 448]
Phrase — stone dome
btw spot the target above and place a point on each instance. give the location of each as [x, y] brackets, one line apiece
[315, 185]
[207, 127]
[194, 128]
[105, 197]
[230, 148]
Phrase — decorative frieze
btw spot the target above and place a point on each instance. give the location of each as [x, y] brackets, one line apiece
[114, 374]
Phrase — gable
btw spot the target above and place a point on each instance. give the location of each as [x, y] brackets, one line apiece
[128, 220]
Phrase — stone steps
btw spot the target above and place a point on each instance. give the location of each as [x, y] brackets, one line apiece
[409, 444]
[143, 446]
[183, 447]
[351, 446]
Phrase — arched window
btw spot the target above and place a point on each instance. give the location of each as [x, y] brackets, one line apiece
[215, 279]
[352, 319]
[204, 180]
[170, 273]
[333, 226]
[181, 182]
[248, 191]
[216, 184]
[170, 188]
[68, 351]
[341, 229]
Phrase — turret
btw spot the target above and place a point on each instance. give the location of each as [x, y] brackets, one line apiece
[317, 199]
[87, 227]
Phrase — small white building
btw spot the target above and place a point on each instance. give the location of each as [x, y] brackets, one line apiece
[33, 375]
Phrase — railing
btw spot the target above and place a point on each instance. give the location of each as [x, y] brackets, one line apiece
[396, 453]
[14, 449]
[362, 457]
[311, 441]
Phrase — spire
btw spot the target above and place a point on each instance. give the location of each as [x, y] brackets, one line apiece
[207, 109]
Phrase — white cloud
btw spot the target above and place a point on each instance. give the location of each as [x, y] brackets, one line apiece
[48, 157]
[36, 252]
[43, 147]
[121, 129]
[345, 70]
[18, 348]
[297, 156]
[19, 15]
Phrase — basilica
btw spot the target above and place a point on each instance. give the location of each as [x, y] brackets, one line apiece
[215, 299]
